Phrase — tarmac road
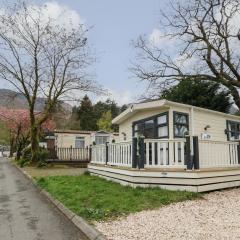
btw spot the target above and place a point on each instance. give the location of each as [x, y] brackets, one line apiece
[27, 215]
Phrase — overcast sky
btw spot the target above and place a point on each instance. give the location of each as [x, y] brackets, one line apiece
[115, 24]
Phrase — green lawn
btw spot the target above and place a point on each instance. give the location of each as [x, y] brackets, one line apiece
[94, 198]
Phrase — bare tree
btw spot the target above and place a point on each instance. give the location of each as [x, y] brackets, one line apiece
[205, 34]
[41, 58]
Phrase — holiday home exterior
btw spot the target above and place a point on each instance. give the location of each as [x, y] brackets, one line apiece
[172, 145]
[65, 145]
[82, 139]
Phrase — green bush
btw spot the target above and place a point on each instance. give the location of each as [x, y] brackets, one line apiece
[26, 157]
[26, 154]
[43, 155]
[22, 162]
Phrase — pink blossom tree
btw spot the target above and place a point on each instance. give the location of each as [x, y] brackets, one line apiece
[18, 123]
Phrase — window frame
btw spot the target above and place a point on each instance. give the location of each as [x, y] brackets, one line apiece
[77, 139]
[155, 124]
[182, 124]
[235, 132]
[102, 136]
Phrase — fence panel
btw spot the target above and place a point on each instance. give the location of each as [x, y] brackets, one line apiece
[218, 154]
[120, 154]
[164, 153]
[99, 154]
[76, 154]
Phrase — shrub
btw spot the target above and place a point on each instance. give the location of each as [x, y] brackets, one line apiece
[43, 155]
[26, 154]
[22, 162]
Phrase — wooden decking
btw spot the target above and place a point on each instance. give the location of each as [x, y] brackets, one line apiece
[173, 179]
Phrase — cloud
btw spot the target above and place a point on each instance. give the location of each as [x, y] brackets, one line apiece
[53, 12]
[62, 14]
[158, 39]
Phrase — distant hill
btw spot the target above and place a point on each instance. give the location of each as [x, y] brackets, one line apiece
[15, 100]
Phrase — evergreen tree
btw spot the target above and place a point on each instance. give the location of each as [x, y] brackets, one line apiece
[204, 94]
[123, 108]
[86, 115]
[105, 122]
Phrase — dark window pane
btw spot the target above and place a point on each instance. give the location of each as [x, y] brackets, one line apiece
[149, 133]
[79, 142]
[163, 131]
[149, 124]
[180, 118]
[139, 127]
[162, 119]
[233, 130]
[231, 127]
[180, 130]
[101, 139]
[149, 129]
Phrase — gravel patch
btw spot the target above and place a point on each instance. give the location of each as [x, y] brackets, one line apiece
[216, 216]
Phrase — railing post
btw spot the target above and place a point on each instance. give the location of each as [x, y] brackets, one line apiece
[196, 152]
[70, 152]
[134, 152]
[141, 152]
[188, 158]
[89, 153]
[106, 153]
[238, 151]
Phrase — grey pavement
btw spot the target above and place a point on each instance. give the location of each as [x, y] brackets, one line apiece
[25, 214]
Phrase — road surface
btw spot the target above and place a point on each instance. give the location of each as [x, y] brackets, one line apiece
[25, 214]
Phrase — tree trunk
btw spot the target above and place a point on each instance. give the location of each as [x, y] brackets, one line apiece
[11, 146]
[19, 151]
[34, 144]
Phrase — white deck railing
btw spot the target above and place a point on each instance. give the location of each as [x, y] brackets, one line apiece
[120, 154]
[218, 154]
[72, 153]
[99, 154]
[164, 153]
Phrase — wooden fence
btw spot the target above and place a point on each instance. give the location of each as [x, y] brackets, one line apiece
[120, 154]
[72, 154]
[218, 154]
[157, 153]
[98, 155]
[189, 153]
[164, 153]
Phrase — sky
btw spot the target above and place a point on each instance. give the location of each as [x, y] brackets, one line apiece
[114, 25]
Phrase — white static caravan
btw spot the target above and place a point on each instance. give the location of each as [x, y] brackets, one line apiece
[185, 147]
[76, 144]
[82, 139]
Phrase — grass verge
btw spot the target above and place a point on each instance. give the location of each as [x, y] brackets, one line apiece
[97, 199]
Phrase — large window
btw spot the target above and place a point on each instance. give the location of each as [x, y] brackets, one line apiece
[101, 139]
[233, 130]
[162, 126]
[79, 142]
[180, 124]
[153, 127]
